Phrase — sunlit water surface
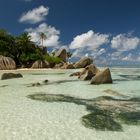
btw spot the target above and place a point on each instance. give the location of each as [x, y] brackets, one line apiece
[24, 119]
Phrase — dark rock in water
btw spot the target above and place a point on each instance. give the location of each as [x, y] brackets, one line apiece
[88, 72]
[102, 77]
[75, 74]
[106, 113]
[45, 81]
[129, 118]
[101, 121]
[83, 62]
[36, 84]
[10, 76]
[3, 86]
[61, 81]
[40, 64]
[62, 54]
[7, 63]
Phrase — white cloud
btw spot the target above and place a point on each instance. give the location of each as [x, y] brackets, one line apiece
[123, 42]
[51, 33]
[129, 57]
[88, 44]
[90, 40]
[35, 15]
[138, 59]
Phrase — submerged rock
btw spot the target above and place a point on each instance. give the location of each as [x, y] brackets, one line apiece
[7, 63]
[6, 76]
[3, 86]
[113, 93]
[102, 77]
[106, 113]
[83, 62]
[101, 121]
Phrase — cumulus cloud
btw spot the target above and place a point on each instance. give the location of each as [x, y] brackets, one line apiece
[51, 32]
[129, 57]
[123, 42]
[35, 15]
[90, 40]
[89, 44]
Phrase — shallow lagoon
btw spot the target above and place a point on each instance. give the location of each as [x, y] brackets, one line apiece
[22, 118]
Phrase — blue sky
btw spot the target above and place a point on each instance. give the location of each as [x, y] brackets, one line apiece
[107, 30]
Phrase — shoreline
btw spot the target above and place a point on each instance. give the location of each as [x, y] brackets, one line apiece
[41, 69]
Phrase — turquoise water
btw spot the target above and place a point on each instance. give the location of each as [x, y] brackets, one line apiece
[24, 119]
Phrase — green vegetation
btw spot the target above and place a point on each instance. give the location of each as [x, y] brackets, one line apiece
[23, 50]
[52, 59]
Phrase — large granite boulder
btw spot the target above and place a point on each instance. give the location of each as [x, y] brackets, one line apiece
[62, 53]
[67, 66]
[40, 64]
[88, 72]
[7, 63]
[83, 62]
[102, 77]
[6, 76]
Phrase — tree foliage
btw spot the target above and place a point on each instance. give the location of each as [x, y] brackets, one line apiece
[22, 49]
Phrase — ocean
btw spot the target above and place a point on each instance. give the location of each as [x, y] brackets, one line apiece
[23, 118]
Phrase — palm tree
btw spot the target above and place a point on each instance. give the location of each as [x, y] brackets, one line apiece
[42, 37]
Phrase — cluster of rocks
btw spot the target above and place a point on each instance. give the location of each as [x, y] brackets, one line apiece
[62, 54]
[82, 63]
[91, 72]
[7, 63]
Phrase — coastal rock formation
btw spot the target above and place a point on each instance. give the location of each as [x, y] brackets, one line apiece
[6, 76]
[102, 77]
[83, 62]
[61, 54]
[86, 76]
[88, 72]
[40, 64]
[75, 74]
[67, 66]
[7, 63]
